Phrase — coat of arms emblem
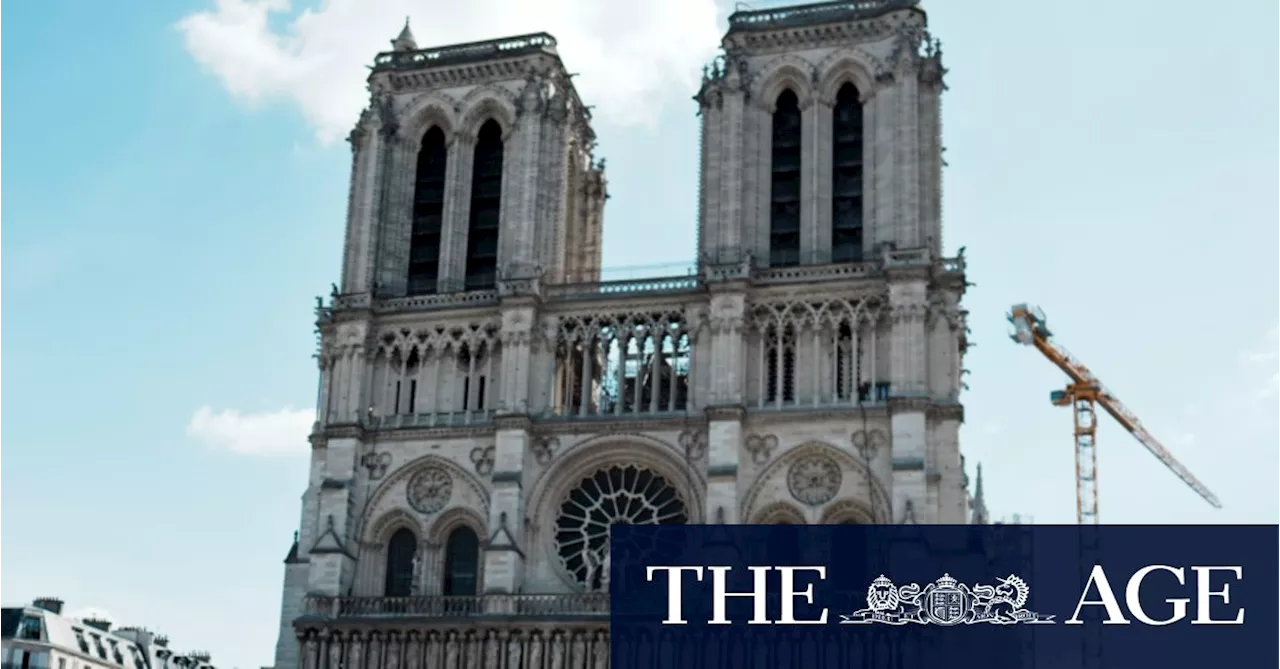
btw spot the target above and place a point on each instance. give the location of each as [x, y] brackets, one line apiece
[946, 602]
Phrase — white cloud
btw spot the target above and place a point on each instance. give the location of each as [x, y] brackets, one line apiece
[282, 432]
[632, 58]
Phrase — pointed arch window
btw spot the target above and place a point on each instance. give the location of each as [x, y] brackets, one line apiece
[846, 176]
[428, 213]
[401, 551]
[461, 562]
[486, 200]
[784, 215]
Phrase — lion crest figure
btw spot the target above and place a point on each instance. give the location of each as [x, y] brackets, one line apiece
[882, 595]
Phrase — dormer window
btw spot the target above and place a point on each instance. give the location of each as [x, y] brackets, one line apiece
[80, 640]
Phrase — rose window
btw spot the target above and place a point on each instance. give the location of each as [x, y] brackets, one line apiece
[814, 479]
[619, 494]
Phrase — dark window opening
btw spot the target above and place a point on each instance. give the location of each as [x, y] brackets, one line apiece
[413, 395]
[784, 216]
[428, 214]
[480, 394]
[847, 361]
[400, 553]
[461, 562]
[846, 176]
[466, 393]
[396, 408]
[486, 200]
[783, 346]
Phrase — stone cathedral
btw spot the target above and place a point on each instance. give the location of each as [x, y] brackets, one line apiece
[488, 406]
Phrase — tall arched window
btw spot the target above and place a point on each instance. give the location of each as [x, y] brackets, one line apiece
[428, 213]
[784, 221]
[846, 176]
[400, 553]
[486, 198]
[461, 562]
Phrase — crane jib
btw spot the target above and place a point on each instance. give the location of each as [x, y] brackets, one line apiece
[1085, 390]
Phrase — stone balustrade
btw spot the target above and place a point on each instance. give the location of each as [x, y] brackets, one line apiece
[570, 605]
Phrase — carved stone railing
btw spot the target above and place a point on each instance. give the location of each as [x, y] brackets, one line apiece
[826, 12]
[671, 284]
[588, 605]
[802, 273]
[463, 53]
[427, 420]
[712, 268]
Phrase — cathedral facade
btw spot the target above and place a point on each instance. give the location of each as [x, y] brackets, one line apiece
[488, 406]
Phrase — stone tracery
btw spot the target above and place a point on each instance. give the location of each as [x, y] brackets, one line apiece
[621, 363]
[439, 374]
[621, 494]
[835, 344]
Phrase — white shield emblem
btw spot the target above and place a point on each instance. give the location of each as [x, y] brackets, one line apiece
[946, 606]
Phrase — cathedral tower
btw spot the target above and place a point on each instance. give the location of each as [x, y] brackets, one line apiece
[486, 401]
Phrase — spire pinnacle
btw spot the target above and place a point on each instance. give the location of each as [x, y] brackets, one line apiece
[405, 41]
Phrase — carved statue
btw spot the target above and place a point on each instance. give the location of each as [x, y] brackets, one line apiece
[417, 573]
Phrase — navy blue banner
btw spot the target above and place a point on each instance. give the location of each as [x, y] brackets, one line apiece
[909, 596]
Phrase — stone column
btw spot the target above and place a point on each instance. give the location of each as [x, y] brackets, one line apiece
[709, 227]
[362, 205]
[815, 181]
[725, 413]
[400, 157]
[907, 403]
[504, 551]
[457, 213]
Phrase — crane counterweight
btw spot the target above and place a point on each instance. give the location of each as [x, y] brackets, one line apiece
[1084, 393]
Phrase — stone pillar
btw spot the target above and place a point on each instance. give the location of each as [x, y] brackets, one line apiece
[400, 158]
[363, 203]
[724, 448]
[725, 399]
[709, 227]
[907, 168]
[951, 493]
[504, 552]
[457, 212]
[907, 403]
[732, 164]
[815, 232]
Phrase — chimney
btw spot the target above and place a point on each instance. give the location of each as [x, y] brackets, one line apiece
[162, 641]
[201, 656]
[138, 635]
[98, 624]
[50, 604]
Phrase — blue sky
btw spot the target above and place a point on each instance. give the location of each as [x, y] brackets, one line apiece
[176, 199]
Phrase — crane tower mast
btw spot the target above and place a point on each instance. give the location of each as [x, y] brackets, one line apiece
[1084, 393]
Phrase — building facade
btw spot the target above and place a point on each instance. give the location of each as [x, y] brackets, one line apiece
[39, 636]
[488, 406]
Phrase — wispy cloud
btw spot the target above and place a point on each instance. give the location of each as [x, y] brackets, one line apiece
[632, 60]
[271, 433]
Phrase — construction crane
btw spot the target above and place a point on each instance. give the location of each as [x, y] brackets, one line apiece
[1083, 393]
